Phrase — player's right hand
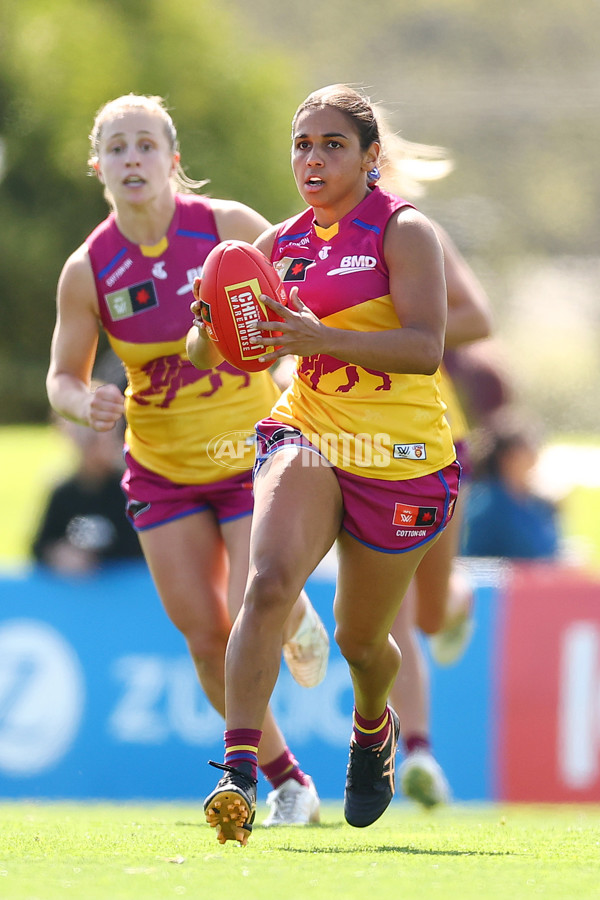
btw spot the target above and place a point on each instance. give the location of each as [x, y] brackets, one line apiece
[106, 407]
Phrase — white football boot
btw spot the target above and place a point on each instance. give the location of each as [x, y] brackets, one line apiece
[422, 779]
[293, 803]
[307, 651]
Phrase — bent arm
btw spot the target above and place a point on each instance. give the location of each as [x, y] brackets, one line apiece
[469, 308]
[417, 287]
[73, 350]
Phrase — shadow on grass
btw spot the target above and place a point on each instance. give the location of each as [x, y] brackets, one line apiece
[407, 851]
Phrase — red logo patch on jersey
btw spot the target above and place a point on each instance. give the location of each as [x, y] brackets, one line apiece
[292, 269]
[143, 296]
[414, 516]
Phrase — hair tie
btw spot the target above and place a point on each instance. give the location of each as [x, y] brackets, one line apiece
[374, 174]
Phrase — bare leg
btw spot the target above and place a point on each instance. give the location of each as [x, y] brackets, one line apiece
[188, 563]
[303, 521]
[370, 589]
[236, 535]
[410, 692]
[200, 580]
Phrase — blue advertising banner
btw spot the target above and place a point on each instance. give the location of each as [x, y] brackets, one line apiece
[99, 699]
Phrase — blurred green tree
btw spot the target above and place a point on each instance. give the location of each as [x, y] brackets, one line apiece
[60, 60]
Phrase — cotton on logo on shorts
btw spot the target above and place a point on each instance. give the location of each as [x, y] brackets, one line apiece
[233, 449]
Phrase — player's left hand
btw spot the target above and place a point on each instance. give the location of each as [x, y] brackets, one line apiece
[302, 333]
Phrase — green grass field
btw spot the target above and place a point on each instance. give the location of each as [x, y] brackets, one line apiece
[102, 852]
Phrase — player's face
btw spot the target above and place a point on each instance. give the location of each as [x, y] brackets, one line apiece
[329, 165]
[135, 161]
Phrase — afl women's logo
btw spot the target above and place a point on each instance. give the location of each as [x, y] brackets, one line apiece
[131, 301]
[410, 451]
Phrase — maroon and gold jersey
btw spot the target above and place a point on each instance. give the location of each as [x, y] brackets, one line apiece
[369, 422]
[175, 412]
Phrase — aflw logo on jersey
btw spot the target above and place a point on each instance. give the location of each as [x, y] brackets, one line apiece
[131, 300]
[354, 264]
[410, 451]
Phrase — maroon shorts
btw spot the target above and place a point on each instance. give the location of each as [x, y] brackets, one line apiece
[389, 516]
[153, 500]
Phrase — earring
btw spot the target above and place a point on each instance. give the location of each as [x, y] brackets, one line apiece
[374, 174]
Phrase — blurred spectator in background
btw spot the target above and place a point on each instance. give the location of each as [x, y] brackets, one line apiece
[504, 515]
[84, 526]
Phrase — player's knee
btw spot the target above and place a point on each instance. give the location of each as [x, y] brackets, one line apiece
[207, 646]
[271, 591]
[356, 650]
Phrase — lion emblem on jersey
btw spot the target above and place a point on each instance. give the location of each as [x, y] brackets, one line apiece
[313, 368]
[168, 374]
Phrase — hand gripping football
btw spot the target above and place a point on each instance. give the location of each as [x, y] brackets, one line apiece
[234, 275]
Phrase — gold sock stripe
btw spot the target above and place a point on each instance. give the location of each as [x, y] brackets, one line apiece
[371, 730]
[253, 748]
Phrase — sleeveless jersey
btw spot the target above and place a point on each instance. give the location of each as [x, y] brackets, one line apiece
[368, 422]
[175, 412]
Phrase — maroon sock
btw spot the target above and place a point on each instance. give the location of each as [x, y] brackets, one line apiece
[283, 768]
[241, 749]
[416, 741]
[368, 732]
